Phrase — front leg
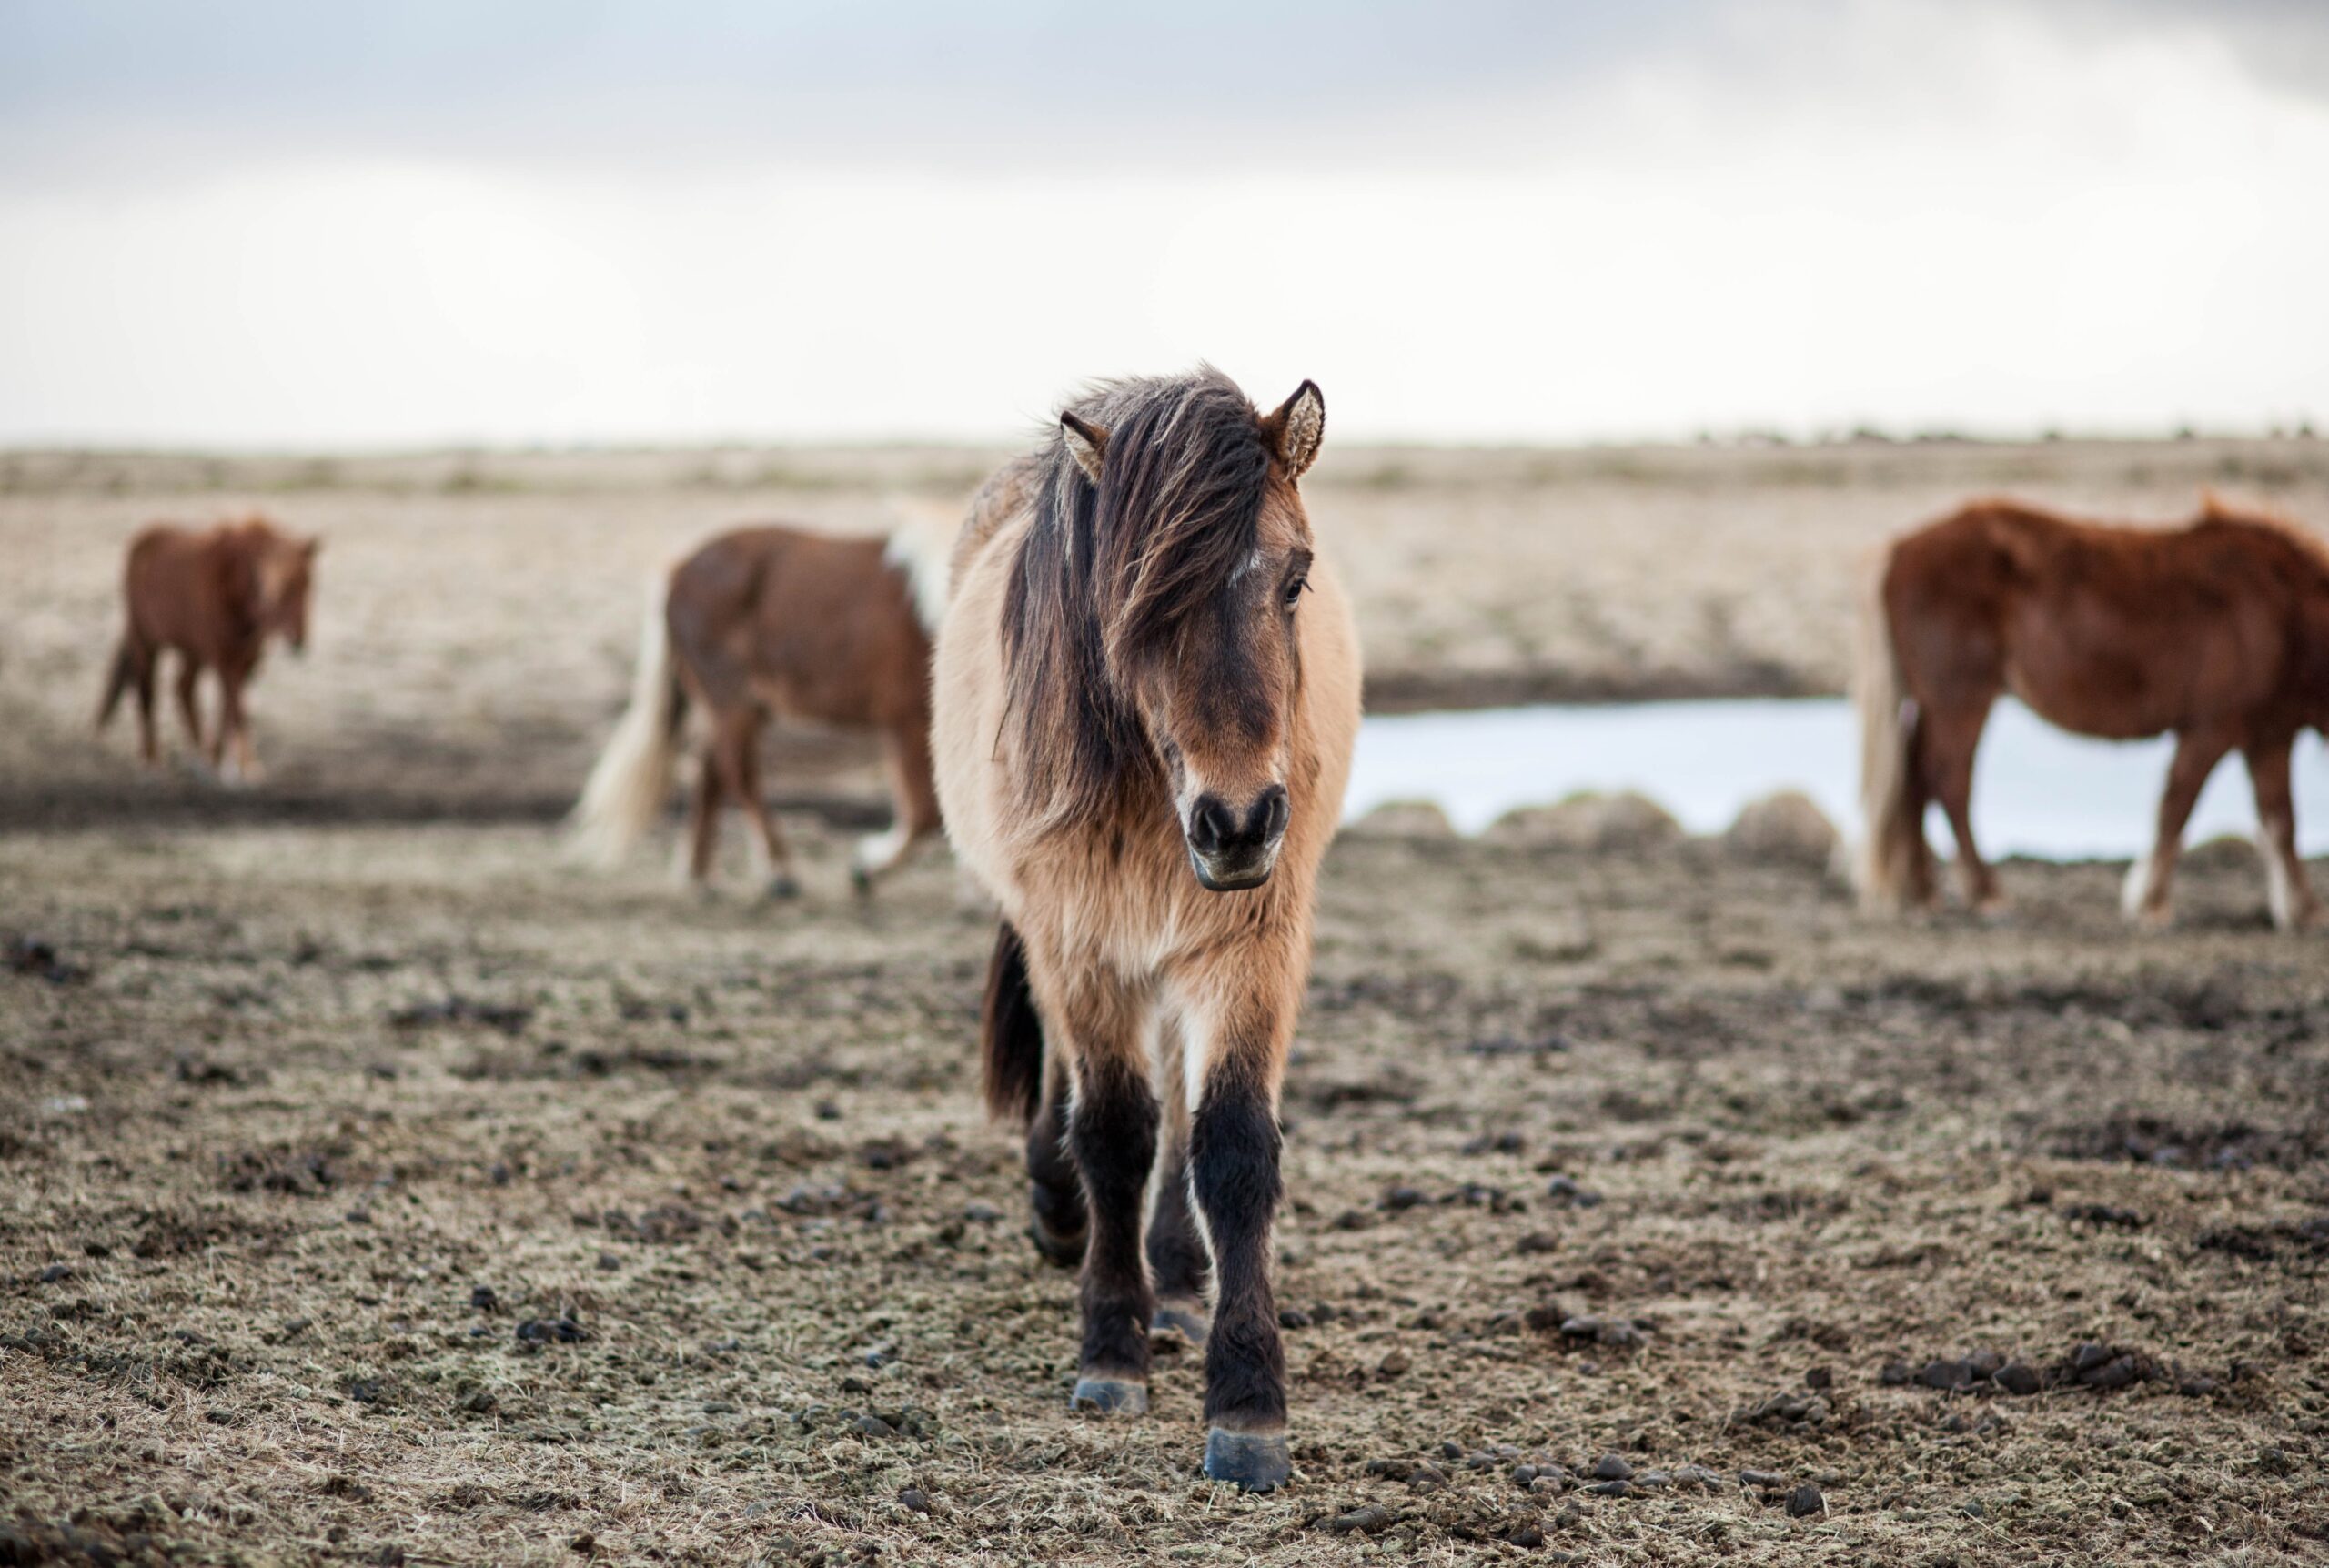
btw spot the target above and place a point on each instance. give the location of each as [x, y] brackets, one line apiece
[1112, 1132]
[1177, 1261]
[2146, 899]
[1233, 1147]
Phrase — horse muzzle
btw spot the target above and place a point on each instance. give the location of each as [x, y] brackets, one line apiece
[1232, 850]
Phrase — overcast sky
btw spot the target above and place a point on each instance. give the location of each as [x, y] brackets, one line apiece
[303, 225]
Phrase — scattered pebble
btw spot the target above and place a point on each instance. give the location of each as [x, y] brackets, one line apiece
[1564, 1192]
[1804, 1502]
[1364, 1521]
[562, 1331]
[1612, 1467]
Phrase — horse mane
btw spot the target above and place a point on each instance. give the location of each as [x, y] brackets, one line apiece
[1108, 577]
[2311, 547]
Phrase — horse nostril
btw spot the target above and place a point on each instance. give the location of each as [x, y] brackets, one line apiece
[1211, 825]
[1269, 815]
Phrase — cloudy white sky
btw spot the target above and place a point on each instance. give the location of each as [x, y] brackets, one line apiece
[301, 225]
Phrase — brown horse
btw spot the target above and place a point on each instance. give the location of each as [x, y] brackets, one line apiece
[776, 621]
[1147, 690]
[214, 598]
[2218, 631]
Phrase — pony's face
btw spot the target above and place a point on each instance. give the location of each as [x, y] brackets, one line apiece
[1219, 699]
[285, 574]
[1220, 711]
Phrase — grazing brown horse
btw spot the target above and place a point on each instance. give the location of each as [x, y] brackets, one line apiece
[777, 621]
[2217, 631]
[1146, 689]
[214, 598]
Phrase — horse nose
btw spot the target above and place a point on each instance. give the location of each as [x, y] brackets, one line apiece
[1216, 829]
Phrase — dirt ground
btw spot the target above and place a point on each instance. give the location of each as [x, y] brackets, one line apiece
[375, 1189]
[380, 1195]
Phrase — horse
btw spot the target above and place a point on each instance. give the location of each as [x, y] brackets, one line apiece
[779, 621]
[1145, 692]
[213, 597]
[2217, 631]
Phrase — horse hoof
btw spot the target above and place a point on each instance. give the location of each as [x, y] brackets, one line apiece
[1109, 1396]
[1186, 1319]
[1061, 1251]
[781, 888]
[1252, 1462]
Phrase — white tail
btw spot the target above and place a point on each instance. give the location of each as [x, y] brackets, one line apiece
[632, 776]
[1891, 835]
[922, 546]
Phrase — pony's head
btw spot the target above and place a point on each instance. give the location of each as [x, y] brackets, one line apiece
[1151, 625]
[282, 570]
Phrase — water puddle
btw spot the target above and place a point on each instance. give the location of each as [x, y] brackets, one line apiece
[2036, 791]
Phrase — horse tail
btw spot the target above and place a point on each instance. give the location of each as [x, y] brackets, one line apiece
[1011, 1034]
[922, 547]
[125, 672]
[1892, 831]
[632, 777]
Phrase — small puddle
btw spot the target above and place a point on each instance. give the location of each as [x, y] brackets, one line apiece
[2037, 791]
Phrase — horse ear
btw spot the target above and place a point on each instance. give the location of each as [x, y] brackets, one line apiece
[1294, 430]
[1087, 443]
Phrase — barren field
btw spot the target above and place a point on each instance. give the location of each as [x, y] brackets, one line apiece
[376, 1189]
[385, 1194]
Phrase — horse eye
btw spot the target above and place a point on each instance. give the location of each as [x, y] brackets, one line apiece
[1293, 591]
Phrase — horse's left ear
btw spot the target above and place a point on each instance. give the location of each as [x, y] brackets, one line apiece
[1086, 443]
[1297, 426]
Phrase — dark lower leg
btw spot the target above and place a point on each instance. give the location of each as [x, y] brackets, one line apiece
[1233, 1159]
[1054, 1191]
[1113, 1130]
[1178, 1263]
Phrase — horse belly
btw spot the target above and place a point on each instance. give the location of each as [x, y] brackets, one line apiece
[2094, 675]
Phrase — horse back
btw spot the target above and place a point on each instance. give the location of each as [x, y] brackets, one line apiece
[176, 582]
[814, 625]
[2108, 631]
